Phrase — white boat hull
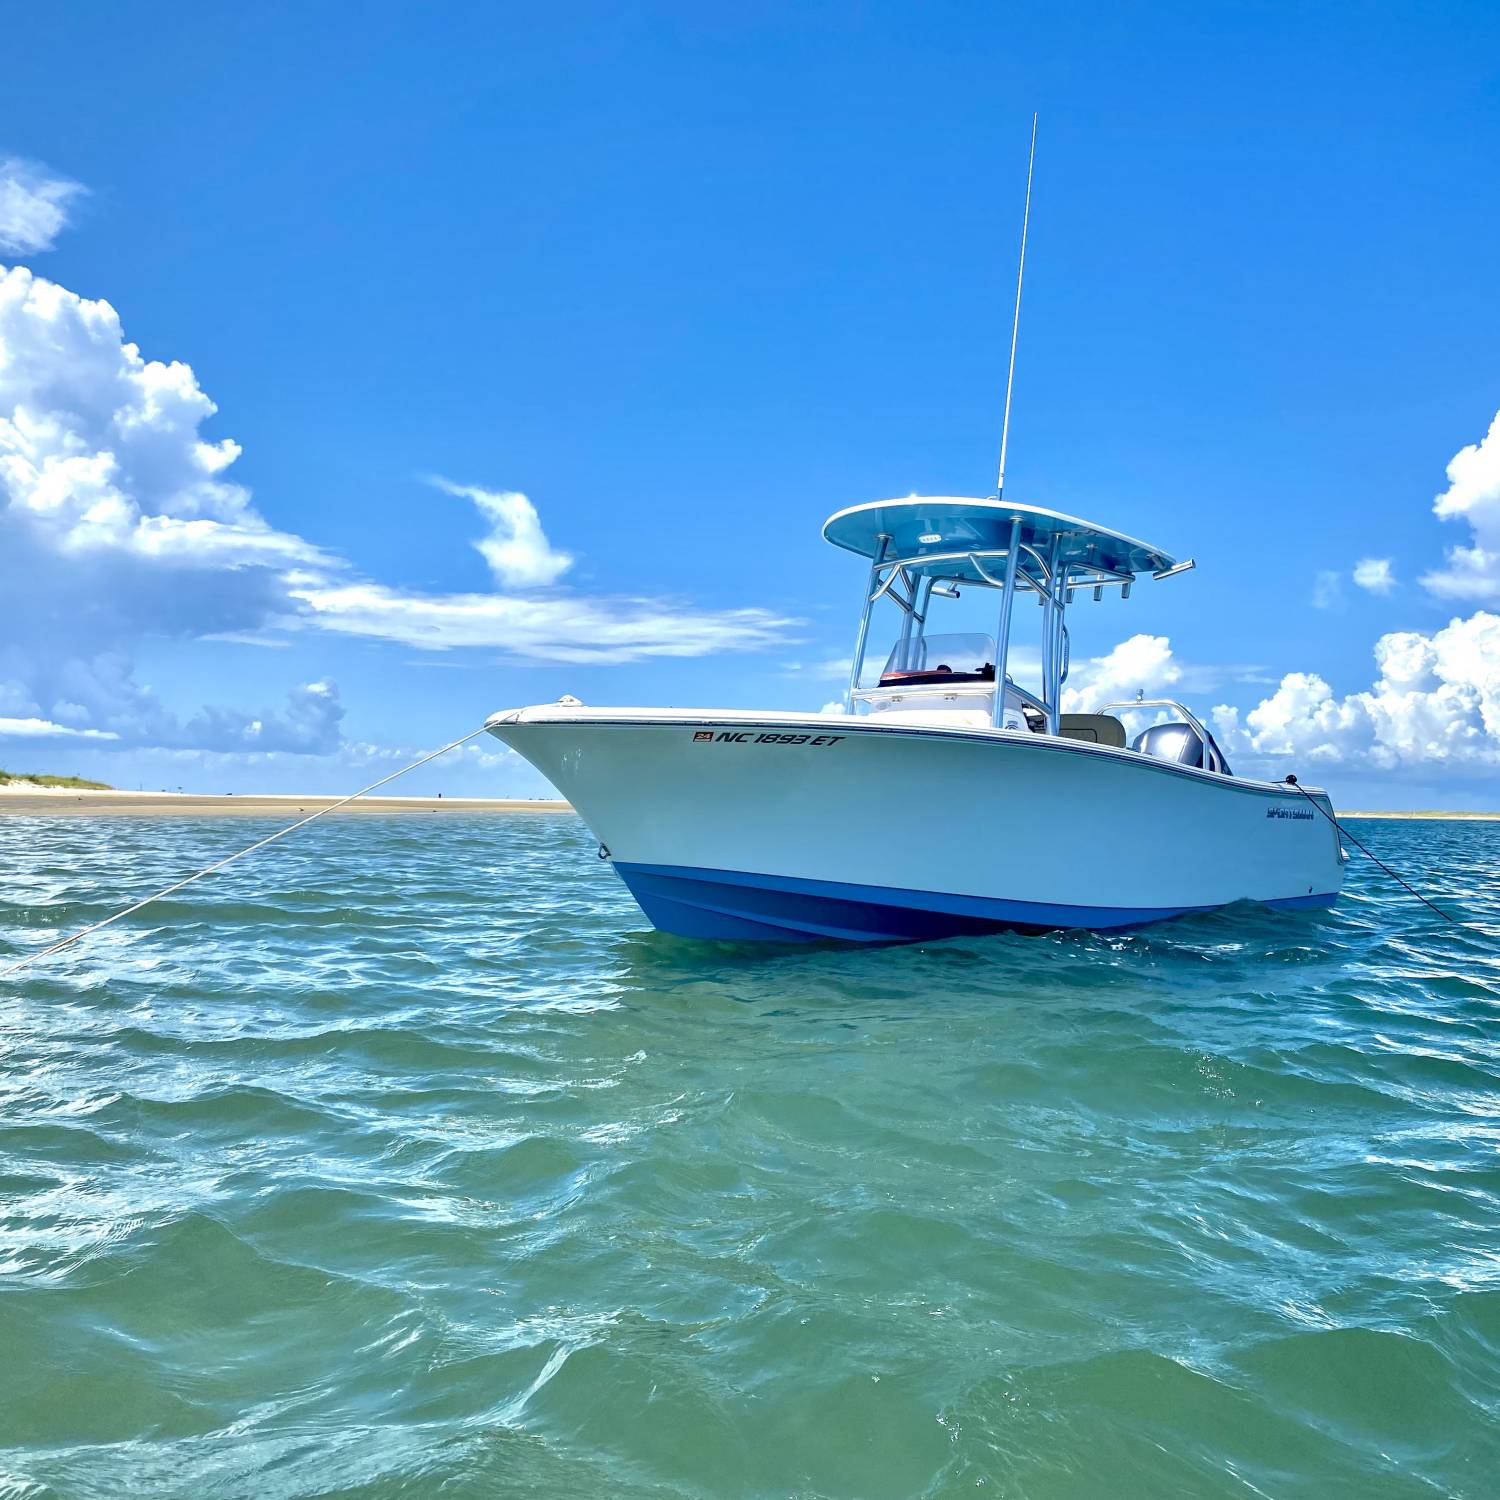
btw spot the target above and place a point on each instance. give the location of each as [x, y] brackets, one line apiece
[800, 827]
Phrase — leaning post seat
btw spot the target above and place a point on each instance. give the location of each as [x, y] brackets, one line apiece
[1094, 729]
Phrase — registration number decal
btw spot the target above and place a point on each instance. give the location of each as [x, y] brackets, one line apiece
[751, 737]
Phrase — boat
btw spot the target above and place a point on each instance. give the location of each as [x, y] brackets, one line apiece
[947, 799]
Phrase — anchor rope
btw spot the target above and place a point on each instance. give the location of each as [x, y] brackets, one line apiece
[1343, 832]
[219, 864]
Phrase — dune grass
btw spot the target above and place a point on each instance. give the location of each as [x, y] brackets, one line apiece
[36, 778]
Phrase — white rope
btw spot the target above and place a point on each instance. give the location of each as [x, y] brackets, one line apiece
[68, 942]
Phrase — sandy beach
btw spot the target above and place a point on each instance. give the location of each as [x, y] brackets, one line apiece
[18, 797]
[1432, 816]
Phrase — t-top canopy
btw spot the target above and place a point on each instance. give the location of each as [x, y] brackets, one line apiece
[939, 526]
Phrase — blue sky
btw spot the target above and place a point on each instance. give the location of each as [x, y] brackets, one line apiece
[690, 278]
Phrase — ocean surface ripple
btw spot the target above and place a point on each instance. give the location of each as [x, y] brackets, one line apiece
[404, 1160]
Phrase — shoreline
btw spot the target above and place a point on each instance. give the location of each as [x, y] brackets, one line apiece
[1432, 816]
[72, 800]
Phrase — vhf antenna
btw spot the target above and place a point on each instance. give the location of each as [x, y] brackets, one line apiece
[1015, 327]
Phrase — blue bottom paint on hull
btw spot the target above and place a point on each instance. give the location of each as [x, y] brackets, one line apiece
[740, 907]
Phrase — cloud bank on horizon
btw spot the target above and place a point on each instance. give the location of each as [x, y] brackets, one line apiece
[1436, 698]
[119, 522]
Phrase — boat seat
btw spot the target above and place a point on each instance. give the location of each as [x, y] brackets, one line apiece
[1096, 729]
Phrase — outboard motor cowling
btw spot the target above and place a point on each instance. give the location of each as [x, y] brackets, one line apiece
[1181, 743]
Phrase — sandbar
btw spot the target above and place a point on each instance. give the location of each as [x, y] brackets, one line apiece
[19, 798]
[1434, 815]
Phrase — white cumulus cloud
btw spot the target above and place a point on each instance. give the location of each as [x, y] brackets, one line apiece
[100, 449]
[119, 521]
[517, 549]
[1436, 699]
[45, 729]
[1473, 495]
[34, 205]
[1375, 574]
[1141, 664]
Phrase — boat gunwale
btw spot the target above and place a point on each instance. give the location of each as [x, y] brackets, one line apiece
[553, 714]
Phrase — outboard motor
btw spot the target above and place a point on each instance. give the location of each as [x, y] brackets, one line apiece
[1181, 743]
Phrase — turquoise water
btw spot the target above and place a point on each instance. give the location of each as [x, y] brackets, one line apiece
[401, 1161]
